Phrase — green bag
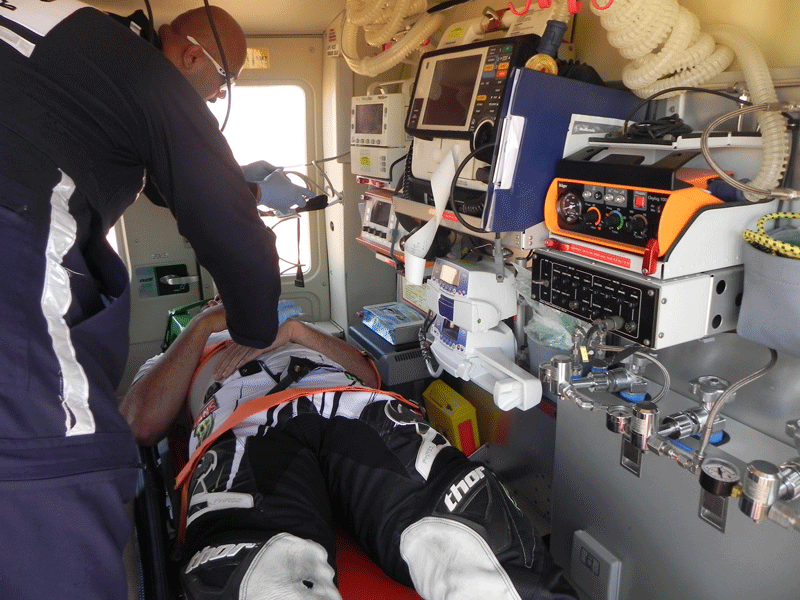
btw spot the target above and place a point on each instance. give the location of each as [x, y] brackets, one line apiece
[177, 319]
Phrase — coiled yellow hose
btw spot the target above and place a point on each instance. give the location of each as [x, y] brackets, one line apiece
[761, 238]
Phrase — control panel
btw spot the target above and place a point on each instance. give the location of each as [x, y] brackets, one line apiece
[493, 70]
[624, 215]
[379, 223]
[379, 219]
[642, 209]
[657, 313]
[469, 295]
[458, 91]
[589, 294]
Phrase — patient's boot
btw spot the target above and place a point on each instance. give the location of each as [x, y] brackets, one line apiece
[477, 544]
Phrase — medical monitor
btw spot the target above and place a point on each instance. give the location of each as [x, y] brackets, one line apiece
[378, 121]
[368, 119]
[459, 90]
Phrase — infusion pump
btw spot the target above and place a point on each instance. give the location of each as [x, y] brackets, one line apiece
[470, 339]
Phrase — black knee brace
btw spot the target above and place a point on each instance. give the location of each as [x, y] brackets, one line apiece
[477, 499]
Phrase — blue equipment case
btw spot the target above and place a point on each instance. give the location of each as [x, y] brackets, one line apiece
[538, 110]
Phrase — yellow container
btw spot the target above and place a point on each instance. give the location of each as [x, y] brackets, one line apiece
[452, 415]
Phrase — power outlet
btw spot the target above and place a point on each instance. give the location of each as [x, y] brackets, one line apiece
[594, 569]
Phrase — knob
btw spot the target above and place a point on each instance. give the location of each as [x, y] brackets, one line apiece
[638, 225]
[760, 489]
[708, 388]
[618, 418]
[643, 421]
[614, 220]
[591, 216]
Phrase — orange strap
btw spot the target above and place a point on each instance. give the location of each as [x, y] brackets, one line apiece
[246, 410]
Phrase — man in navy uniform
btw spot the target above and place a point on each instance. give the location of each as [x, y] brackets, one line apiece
[89, 111]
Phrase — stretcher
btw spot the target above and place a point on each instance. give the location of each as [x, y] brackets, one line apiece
[157, 510]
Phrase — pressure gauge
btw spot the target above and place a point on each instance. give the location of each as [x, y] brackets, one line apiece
[569, 207]
[718, 476]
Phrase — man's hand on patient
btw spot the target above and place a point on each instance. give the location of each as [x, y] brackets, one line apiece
[234, 355]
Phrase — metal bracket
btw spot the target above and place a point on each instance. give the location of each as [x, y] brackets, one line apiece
[713, 510]
[630, 457]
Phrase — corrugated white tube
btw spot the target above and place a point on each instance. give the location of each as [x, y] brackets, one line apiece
[361, 13]
[702, 72]
[647, 69]
[687, 56]
[377, 35]
[774, 134]
[375, 65]
[638, 27]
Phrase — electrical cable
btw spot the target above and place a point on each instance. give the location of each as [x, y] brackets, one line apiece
[407, 172]
[298, 264]
[669, 127]
[451, 198]
[425, 346]
[314, 163]
[391, 167]
[224, 64]
[680, 88]
[298, 278]
[337, 195]
[665, 373]
[307, 180]
[151, 33]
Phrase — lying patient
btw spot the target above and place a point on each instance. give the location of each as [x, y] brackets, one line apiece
[264, 494]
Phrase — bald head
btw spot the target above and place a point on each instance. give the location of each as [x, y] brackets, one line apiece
[191, 59]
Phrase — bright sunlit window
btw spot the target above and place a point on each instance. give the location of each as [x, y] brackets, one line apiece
[268, 122]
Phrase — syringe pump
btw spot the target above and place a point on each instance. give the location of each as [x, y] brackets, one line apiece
[470, 339]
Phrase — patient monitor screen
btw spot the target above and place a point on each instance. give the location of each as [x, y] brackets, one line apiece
[451, 91]
[380, 213]
[369, 118]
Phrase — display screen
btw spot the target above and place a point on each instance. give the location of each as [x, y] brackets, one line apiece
[449, 275]
[369, 119]
[452, 88]
[450, 331]
[380, 213]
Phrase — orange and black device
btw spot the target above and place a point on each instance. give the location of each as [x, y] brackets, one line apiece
[622, 204]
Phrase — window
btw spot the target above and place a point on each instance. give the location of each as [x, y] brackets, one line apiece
[268, 122]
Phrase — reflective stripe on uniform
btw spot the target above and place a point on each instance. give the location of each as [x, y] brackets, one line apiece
[23, 22]
[56, 298]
